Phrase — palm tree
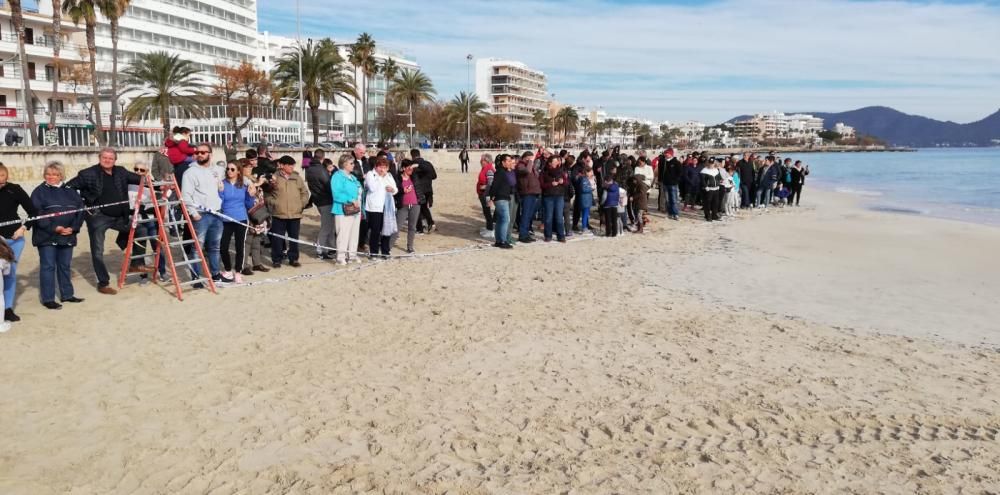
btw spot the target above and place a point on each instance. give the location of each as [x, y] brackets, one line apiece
[113, 10]
[324, 75]
[627, 126]
[646, 133]
[588, 127]
[164, 81]
[362, 57]
[86, 11]
[29, 96]
[413, 87]
[56, 47]
[465, 105]
[541, 122]
[566, 121]
[389, 69]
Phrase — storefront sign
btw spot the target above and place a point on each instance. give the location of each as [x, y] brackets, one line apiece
[8, 112]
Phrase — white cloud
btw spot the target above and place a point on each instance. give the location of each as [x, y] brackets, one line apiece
[680, 61]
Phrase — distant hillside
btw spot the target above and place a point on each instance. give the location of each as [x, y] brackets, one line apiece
[902, 129]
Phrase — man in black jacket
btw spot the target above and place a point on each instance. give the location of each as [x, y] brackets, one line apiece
[106, 184]
[669, 175]
[500, 194]
[745, 168]
[423, 180]
[318, 180]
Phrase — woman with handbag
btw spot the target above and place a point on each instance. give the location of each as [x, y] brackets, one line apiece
[258, 217]
[346, 209]
[238, 195]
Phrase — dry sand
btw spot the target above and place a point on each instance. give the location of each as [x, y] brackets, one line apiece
[819, 350]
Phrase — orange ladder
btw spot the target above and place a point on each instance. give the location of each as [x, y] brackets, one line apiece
[170, 235]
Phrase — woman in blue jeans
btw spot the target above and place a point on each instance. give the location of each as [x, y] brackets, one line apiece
[12, 196]
[55, 237]
[554, 181]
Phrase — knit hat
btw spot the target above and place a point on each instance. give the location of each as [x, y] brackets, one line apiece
[286, 160]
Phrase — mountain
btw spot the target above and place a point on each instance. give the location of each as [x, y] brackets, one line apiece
[902, 129]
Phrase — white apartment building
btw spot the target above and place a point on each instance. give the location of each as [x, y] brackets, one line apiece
[514, 91]
[802, 125]
[205, 32]
[844, 130]
[72, 124]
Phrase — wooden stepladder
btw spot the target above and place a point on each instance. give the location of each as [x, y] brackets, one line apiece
[169, 237]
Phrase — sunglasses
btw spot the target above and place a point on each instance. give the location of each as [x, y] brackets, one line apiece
[139, 170]
[231, 169]
[200, 152]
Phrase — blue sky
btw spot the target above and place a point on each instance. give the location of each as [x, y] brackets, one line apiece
[701, 60]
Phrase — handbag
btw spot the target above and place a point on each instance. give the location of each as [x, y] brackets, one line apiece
[258, 213]
[351, 209]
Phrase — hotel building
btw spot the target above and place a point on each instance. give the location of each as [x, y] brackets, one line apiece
[513, 91]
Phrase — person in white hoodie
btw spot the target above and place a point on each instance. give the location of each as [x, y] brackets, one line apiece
[380, 187]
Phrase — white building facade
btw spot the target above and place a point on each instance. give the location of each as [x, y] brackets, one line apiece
[513, 91]
[73, 128]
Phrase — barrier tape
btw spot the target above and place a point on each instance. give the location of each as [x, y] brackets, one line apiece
[23, 221]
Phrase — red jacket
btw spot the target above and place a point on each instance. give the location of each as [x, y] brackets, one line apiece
[485, 178]
[178, 151]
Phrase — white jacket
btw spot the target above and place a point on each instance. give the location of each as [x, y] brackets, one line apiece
[377, 195]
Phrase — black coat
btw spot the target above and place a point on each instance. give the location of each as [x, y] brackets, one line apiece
[670, 171]
[745, 168]
[424, 176]
[12, 196]
[53, 199]
[318, 180]
[90, 184]
[501, 189]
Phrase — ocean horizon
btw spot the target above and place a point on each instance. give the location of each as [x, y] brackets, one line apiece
[953, 183]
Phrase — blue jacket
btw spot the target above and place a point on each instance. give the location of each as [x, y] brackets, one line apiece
[236, 201]
[53, 199]
[584, 192]
[611, 193]
[345, 188]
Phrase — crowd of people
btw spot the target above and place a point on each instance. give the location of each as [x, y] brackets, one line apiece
[560, 191]
[241, 207]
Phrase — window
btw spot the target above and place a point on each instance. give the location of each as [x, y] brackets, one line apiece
[29, 36]
[50, 72]
[3, 100]
[31, 71]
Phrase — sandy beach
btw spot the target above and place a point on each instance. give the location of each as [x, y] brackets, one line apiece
[823, 349]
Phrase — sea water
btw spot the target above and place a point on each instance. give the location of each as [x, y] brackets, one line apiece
[956, 183]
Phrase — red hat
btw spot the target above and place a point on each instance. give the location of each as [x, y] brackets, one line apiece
[670, 151]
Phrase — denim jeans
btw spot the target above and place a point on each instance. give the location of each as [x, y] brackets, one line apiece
[54, 264]
[10, 280]
[501, 221]
[487, 214]
[289, 228]
[209, 231]
[554, 216]
[673, 193]
[97, 225]
[746, 198]
[764, 196]
[529, 206]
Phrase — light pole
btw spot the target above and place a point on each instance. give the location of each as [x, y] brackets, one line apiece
[302, 110]
[468, 103]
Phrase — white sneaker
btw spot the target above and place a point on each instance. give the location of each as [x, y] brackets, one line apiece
[5, 326]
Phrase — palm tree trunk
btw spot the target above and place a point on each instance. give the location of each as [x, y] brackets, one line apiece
[364, 107]
[113, 138]
[56, 47]
[92, 49]
[165, 118]
[314, 115]
[29, 110]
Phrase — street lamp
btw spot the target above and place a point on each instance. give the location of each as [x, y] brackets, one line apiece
[468, 103]
[302, 109]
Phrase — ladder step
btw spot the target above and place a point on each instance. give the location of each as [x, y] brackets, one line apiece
[175, 223]
[139, 256]
[163, 183]
[145, 238]
[195, 281]
[170, 203]
[182, 243]
[146, 220]
[188, 262]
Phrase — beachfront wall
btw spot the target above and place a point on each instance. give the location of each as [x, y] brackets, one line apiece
[26, 164]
